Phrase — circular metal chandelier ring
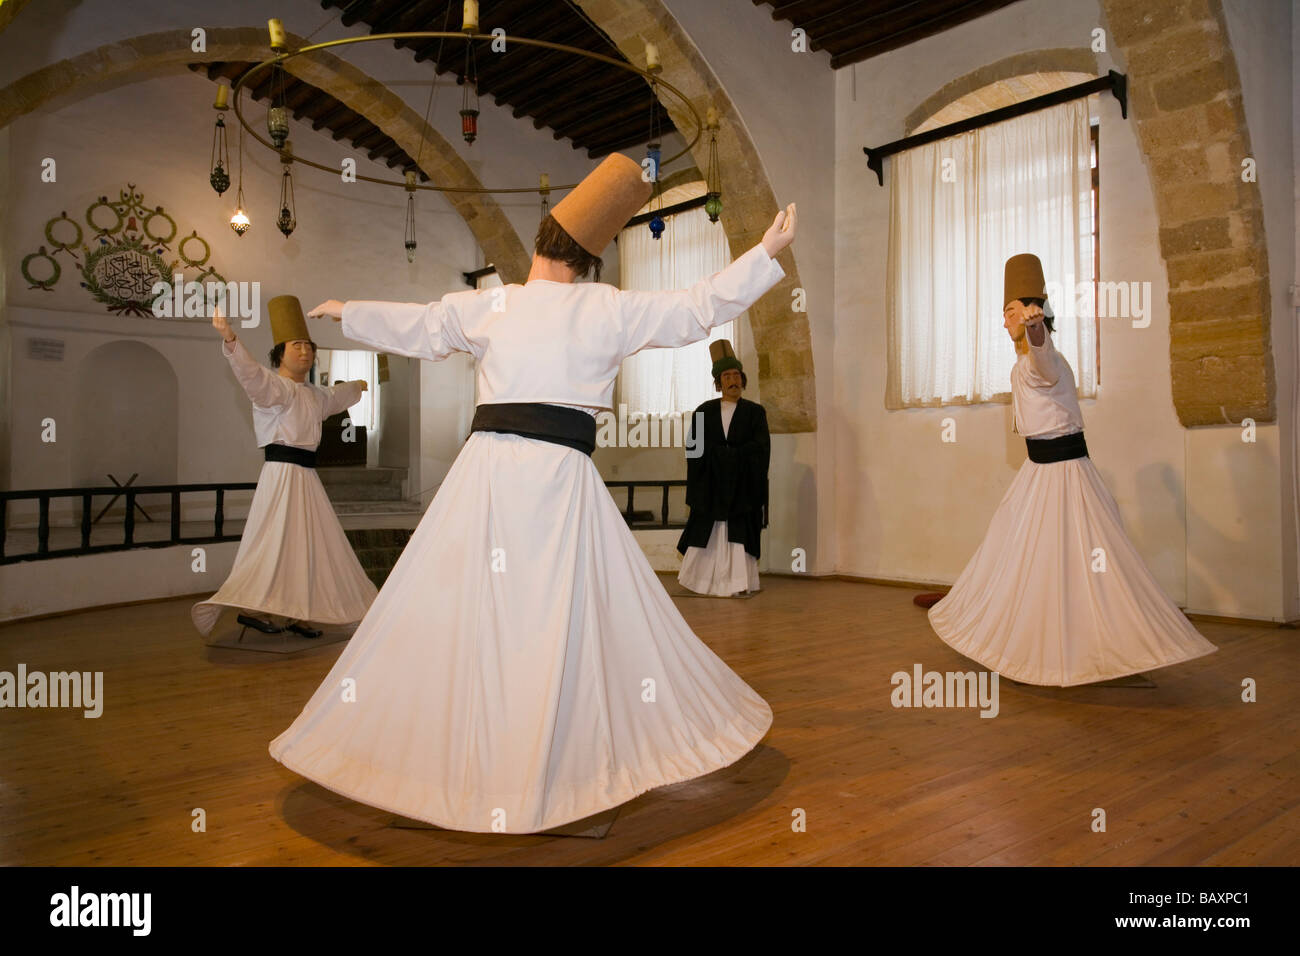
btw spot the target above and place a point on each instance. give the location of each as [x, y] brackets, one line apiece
[621, 64]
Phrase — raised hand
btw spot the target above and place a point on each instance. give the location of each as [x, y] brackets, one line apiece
[330, 308]
[781, 233]
[221, 325]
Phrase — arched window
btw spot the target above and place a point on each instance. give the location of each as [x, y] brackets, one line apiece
[959, 208]
[673, 381]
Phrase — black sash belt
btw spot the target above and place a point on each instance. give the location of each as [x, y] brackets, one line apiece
[295, 456]
[1047, 450]
[561, 426]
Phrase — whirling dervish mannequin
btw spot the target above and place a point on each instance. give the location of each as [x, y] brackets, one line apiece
[523, 667]
[1056, 594]
[294, 560]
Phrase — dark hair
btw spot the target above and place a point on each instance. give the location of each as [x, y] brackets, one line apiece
[277, 353]
[717, 379]
[553, 242]
[1047, 319]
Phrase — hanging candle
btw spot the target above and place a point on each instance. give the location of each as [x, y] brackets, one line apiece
[657, 226]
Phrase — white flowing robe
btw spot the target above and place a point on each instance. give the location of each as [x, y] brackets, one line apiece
[294, 559]
[1035, 603]
[523, 667]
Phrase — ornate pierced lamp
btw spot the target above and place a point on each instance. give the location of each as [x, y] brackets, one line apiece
[220, 161]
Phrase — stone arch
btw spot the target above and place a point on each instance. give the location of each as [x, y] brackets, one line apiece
[1185, 95]
[1063, 60]
[169, 52]
[781, 336]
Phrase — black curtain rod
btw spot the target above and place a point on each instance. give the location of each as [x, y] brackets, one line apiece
[471, 278]
[667, 211]
[1117, 83]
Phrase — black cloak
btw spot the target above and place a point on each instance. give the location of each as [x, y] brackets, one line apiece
[728, 482]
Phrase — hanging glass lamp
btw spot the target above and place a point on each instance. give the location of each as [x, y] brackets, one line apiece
[287, 221]
[240, 221]
[219, 163]
[713, 181]
[409, 240]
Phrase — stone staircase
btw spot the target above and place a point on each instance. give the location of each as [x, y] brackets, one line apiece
[378, 550]
[366, 491]
[360, 493]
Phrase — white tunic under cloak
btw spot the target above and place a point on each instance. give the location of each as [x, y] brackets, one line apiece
[1031, 604]
[523, 667]
[723, 567]
[294, 559]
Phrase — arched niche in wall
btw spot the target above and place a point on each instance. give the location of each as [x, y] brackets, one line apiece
[126, 417]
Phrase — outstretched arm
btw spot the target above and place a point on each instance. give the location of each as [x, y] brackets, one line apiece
[343, 395]
[260, 384]
[1041, 358]
[673, 319]
[430, 331]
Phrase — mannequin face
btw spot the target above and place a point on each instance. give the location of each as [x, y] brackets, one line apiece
[299, 356]
[1013, 320]
[731, 384]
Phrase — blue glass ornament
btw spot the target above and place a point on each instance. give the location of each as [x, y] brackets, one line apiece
[657, 226]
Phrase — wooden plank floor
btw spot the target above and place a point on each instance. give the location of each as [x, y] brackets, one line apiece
[1187, 773]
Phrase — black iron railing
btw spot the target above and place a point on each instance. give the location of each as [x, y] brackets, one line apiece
[130, 493]
[630, 511]
[44, 496]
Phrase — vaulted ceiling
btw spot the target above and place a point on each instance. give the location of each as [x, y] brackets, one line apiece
[855, 30]
[596, 106]
[324, 112]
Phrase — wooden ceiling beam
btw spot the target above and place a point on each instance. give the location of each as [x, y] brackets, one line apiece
[880, 22]
[883, 44]
[369, 137]
[584, 132]
[330, 114]
[407, 17]
[354, 11]
[350, 128]
[562, 101]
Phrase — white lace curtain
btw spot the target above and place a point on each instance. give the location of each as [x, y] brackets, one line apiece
[348, 366]
[960, 208]
[672, 381]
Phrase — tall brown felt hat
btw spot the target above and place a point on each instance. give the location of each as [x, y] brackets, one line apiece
[287, 321]
[600, 205]
[1023, 278]
[724, 357]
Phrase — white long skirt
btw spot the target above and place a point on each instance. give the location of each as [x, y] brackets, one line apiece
[293, 559]
[522, 667]
[1033, 603]
[723, 568]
